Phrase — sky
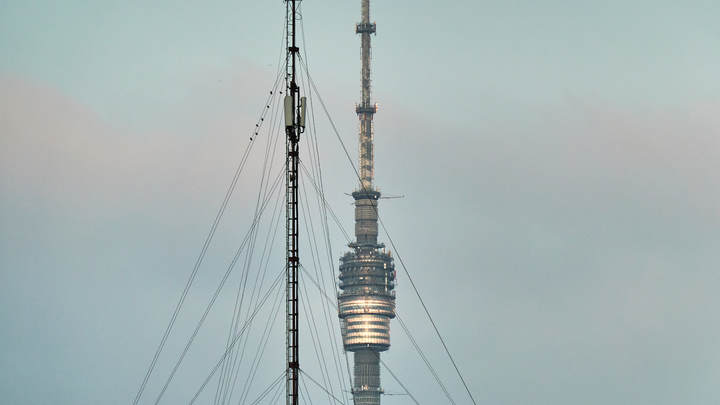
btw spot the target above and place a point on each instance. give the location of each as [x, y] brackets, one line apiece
[558, 162]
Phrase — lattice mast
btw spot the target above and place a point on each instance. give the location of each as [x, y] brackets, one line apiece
[367, 273]
[294, 108]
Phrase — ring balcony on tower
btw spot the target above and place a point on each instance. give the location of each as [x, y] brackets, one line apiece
[362, 28]
[366, 109]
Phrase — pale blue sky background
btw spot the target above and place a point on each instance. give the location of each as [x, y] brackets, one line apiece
[559, 161]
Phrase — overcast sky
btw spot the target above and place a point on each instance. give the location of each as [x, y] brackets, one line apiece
[559, 162]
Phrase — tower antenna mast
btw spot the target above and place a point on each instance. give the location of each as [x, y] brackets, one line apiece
[294, 107]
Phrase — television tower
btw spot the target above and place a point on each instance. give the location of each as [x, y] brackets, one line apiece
[367, 273]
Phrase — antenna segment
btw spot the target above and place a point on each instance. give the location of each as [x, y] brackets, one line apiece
[365, 110]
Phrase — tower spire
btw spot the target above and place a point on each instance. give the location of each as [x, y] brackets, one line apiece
[366, 109]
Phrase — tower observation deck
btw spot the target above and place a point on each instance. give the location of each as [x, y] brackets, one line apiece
[367, 272]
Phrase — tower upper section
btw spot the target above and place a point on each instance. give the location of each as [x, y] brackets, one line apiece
[367, 273]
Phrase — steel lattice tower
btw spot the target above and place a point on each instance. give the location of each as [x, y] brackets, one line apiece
[294, 109]
[367, 272]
